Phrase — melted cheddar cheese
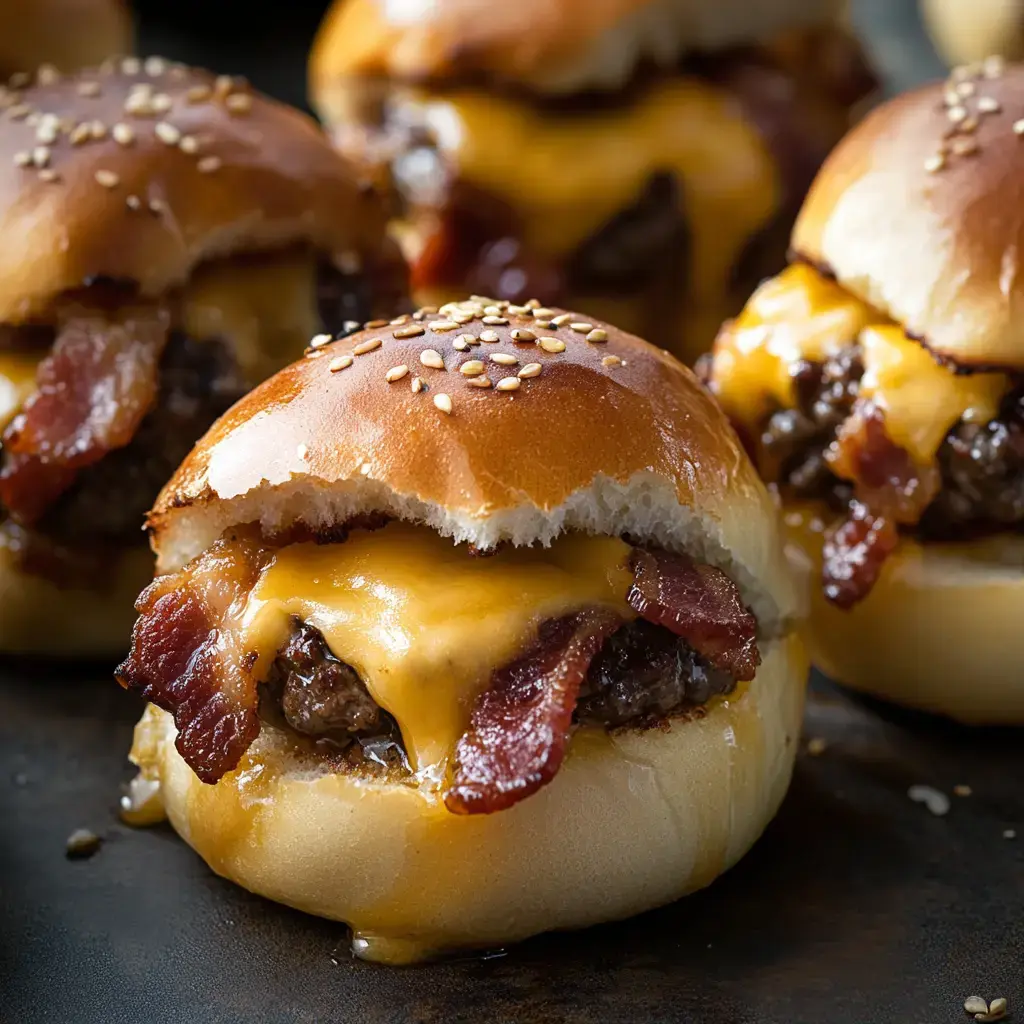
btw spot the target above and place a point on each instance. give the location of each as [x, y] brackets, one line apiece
[264, 307]
[17, 381]
[567, 174]
[801, 315]
[424, 623]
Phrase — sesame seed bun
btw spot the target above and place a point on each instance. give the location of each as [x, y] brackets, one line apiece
[127, 201]
[939, 630]
[932, 238]
[633, 820]
[69, 34]
[546, 45]
[609, 435]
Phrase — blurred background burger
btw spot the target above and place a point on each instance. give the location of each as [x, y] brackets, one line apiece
[641, 160]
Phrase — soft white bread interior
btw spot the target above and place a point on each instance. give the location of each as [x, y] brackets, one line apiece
[633, 820]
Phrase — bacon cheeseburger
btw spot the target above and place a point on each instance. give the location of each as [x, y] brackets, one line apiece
[171, 238]
[640, 158]
[880, 383]
[470, 627]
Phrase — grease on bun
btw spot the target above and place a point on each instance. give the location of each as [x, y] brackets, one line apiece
[583, 453]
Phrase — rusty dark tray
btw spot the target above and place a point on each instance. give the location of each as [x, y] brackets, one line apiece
[858, 906]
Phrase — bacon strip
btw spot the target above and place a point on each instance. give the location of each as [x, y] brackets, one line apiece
[700, 604]
[519, 730]
[185, 656]
[891, 490]
[92, 392]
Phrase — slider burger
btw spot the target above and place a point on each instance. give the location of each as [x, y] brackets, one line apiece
[469, 627]
[65, 34]
[640, 158]
[879, 382]
[171, 239]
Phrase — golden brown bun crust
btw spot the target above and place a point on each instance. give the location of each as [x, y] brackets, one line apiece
[535, 41]
[940, 630]
[39, 618]
[68, 34]
[274, 181]
[938, 251]
[632, 820]
[605, 425]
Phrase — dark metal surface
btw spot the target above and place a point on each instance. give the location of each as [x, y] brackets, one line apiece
[857, 907]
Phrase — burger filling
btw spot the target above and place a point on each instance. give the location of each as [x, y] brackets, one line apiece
[99, 407]
[396, 648]
[674, 193]
[840, 407]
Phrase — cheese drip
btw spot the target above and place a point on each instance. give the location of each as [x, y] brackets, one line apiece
[567, 174]
[264, 307]
[801, 315]
[423, 622]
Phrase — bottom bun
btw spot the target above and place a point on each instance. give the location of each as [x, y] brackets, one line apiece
[632, 821]
[940, 630]
[39, 617]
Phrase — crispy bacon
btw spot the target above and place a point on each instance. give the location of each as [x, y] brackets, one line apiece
[700, 604]
[92, 391]
[185, 656]
[890, 490]
[519, 730]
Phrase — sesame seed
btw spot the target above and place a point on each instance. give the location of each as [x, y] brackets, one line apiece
[122, 134]
[108, 179]
[493, 310]
[552, 345]
[561, 320]
[966, 89]
[302, 450]
[167, 133]
[956, 114]
[468, 339]
[1018, 127]
[472, 368]
[508, 384]
[503, 359]
[936, 801]
[596, 336]
[935, 163]
[459, 345]
[581, 327]
[161, 103]
[479, 382]
[412, 331]
[989, 105]
[340, 363]
[319, 340]
[432, 358]
[238, 103]
[968, 125]
[366, 346]
[208, 164]
[18, 111]
[19, 80]
[88, 89]
[532, 303]
[964, 147]
[48, 174]
[530, 370]
[998, 1007]
[542, 314]
[372, 325]
[816, 746]
[223, 84]
[41, 156]
[47, 74]
[155, 66]
[1009, 833]
[417, 385]
[22, 159]
[495, 321]
[49, 128]
[544, 325]
[133, 203]
[198, 94]
[157, 206]
[402, 319]
[975, 1004]
[396, 373]
[611, 361]
[443, 325]
[992, 67]
[518, 310]
[462, 318]
[488, 336]
[443, 402]
[520, 334]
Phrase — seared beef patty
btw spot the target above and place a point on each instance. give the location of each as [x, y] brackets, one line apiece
[982, 465]
[643, 674]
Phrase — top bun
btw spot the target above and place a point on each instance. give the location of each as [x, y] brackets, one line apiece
[918, 212]
[546, 45]
[610, 437]
[69, 34]
[140, 170]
